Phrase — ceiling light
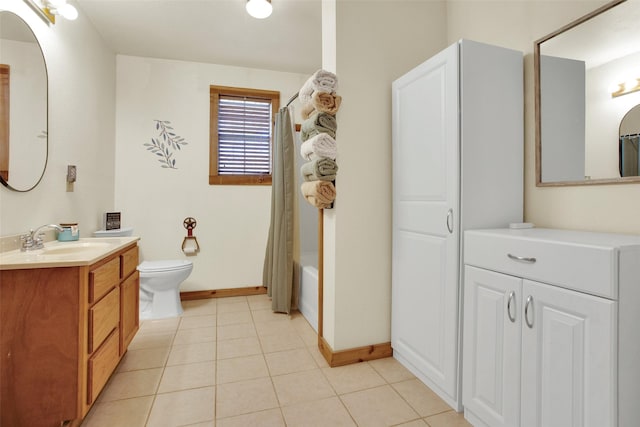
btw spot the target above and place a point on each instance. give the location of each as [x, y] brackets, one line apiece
[49, 9]
[67, 11]
[259, 9]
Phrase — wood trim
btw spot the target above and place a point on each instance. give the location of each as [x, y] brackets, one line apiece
[237, 179]
[222, 293]
[248, 92]
[320, 274]
[214, 96]
[353, 355]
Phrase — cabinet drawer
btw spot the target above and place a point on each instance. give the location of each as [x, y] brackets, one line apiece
[101, 365]
[568, 263]
[103, 318]
[128, 262]
[103, 278]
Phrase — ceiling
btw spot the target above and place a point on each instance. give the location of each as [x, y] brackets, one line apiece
[212, 31]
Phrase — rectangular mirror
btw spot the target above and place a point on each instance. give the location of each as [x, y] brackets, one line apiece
[587, 77]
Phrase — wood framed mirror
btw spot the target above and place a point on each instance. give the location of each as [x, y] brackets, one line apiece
[580, 74]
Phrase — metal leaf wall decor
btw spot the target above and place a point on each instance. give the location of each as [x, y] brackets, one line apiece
[165, 144]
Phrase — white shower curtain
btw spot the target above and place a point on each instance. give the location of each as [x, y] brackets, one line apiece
[278, 268]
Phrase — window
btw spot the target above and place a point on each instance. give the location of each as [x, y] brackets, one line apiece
[240, 134]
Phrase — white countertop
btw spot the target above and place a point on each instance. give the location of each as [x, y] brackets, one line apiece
[85, 251]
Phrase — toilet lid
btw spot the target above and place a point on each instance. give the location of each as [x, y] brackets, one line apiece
[164, 265]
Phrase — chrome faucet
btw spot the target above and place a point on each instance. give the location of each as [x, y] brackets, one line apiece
[33, 240]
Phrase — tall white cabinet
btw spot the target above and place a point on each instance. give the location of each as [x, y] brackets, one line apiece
[551, 328]
[457, 164]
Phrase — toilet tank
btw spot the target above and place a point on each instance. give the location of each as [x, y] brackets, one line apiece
[120, 232]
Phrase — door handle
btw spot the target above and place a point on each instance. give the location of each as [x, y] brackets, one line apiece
[526, 312]
[522, 258]
[450, 221]
[512, 297]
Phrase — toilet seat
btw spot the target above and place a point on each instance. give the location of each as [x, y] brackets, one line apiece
[164, 265]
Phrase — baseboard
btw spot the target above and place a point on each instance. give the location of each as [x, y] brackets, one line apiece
[222, 293]
[353, 355]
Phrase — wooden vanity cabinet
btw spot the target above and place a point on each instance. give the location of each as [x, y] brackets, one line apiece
[112, 317]
[63, 331]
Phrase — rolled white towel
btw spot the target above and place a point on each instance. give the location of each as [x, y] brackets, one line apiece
[320, 145]
[320, 81]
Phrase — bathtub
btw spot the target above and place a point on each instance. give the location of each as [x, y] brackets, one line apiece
[308, 298]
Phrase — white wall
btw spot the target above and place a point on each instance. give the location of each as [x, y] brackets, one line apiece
[81, 73]
[373, 48]
[233, 221]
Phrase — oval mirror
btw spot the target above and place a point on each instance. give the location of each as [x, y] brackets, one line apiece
[23, 105]
[628, 154]
[587, 78]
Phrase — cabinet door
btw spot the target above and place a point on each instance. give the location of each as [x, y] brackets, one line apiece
[425, 216]
[129, 312]
[568, 358]
[492, 342]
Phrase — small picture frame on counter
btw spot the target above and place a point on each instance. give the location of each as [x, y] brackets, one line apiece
[112, 221]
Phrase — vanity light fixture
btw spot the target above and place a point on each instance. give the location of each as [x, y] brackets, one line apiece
[49, 9]
[259, 9]
[633, 85]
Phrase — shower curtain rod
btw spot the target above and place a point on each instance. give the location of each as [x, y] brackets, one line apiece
[293, 98]
[630, 135]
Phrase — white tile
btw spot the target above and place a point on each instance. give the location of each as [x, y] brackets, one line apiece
[380, 406]
[183, 408]
[183, 377]
[192, 353]
[241, 368]
[245, 397]
[268, 418]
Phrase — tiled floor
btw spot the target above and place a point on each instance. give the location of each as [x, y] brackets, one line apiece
[233, 362]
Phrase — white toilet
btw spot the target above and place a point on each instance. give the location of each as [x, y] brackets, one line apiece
[160, 287]
[159, 282]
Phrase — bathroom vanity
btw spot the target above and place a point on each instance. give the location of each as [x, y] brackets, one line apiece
[67, 315]
[551, 328]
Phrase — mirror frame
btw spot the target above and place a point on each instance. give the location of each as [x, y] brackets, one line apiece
[46, 73]
[538, 126]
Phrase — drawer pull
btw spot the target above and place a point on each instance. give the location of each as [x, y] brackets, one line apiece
[526, 311]
[521, 258]
[450, 221]
[512, 297]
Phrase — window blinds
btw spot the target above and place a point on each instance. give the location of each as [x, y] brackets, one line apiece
[244, 135]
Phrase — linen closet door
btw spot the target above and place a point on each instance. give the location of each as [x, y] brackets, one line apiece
[425, 261]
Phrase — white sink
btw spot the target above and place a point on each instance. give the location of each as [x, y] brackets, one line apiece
[74, 248]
